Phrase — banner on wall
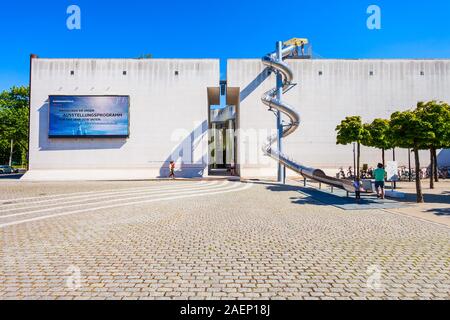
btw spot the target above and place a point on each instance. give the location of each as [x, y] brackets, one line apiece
[89, 116]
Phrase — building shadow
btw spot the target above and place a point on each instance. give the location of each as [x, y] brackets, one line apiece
[185, 150]
[75, 143]
[252, 86]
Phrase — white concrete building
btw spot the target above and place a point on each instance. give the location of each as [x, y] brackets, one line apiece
[168, 110]
[169, 116]
[327, 91]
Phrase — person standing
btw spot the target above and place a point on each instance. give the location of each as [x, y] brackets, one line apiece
[172, 170]
[357, 184]
[380, 176]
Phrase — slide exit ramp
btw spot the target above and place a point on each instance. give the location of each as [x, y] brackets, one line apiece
[269, 98]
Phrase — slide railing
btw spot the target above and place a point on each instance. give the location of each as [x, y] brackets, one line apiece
[270, 99]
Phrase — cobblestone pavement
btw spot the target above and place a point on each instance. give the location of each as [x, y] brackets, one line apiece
[209, 240]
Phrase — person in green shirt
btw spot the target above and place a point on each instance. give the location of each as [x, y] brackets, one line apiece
[380, 176]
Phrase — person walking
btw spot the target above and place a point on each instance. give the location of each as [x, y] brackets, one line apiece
[380, 176]
[172, 170]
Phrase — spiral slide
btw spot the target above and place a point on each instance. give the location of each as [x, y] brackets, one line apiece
[272, 99]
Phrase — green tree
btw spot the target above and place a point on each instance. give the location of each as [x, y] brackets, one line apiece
[14, 113]
[352, 130]
[378, 135]
[410, 131]
[437, 115]
[146, 56]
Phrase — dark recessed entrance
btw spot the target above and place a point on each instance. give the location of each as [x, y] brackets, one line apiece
[223, 140]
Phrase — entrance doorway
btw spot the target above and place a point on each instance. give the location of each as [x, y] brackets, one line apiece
[223, 141]
[223, 155]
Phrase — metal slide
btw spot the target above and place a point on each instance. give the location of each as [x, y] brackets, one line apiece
[270, 99]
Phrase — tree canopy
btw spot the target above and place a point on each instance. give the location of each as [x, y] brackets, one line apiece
[350, 130]
[14, 113]
[409, 130]
[425, 128]
[437, 115]
[378, 134]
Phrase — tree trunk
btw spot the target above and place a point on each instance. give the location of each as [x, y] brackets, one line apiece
[418, 182]
[383, 158]
[358, 173]
[436, 169]
[431, 169]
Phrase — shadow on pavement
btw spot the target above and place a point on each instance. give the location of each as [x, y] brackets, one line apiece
[444, 197]
[11, 176]
[443, 212]
[338, 199]
[307, 200]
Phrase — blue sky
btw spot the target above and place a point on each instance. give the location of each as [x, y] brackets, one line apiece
[217, 29]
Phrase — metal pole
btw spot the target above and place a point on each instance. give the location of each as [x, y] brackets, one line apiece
[354, 159]
[393, 157]
[409, 165]
[281, 169]
[215, 145]
[11, 153]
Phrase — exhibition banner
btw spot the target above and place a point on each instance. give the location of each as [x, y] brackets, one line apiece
[89, 116]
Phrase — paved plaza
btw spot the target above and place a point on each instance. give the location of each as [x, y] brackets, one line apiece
[210, 240]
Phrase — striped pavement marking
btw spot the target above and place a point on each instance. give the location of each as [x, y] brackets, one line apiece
[127, 198]
[12, 202]
[95, 197]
